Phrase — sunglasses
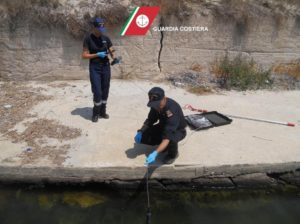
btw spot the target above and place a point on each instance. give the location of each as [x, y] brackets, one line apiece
[100, 24]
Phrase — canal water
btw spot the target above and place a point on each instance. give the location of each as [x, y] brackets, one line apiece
[97, 205]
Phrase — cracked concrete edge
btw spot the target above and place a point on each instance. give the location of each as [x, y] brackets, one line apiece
[164, 177]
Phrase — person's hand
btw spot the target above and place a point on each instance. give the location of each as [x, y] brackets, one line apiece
[138, 137]
[151, 158]
[102, 54]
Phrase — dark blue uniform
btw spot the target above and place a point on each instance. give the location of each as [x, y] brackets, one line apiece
[99, 67]
[171, 126]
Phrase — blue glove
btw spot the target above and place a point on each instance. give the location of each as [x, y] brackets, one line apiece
[102, 54]
[151, 158]
[138, 137]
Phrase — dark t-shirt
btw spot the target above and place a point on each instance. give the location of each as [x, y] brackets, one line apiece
[171, 118]
[96, 44]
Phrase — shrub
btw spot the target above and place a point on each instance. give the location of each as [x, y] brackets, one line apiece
[240, 74]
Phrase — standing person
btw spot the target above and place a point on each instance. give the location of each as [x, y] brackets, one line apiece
[168, 131]
[96, 47]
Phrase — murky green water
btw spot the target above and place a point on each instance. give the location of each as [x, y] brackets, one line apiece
[93, 205]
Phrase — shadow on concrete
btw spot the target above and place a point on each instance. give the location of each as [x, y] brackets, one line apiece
[84, 112]
[141, 149]
[137, 150]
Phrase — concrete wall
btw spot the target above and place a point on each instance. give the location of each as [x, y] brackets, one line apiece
[43, 39]
[282, 177]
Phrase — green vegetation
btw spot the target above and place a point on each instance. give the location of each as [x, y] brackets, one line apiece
[241, 74]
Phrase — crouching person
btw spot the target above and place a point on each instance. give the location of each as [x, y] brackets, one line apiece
[169, 130]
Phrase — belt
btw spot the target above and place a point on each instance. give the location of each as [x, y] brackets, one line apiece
[97, 62]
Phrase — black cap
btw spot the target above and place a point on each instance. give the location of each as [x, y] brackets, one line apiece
[156, 94]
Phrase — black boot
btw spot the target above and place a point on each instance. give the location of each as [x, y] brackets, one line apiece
[173, 154]
[103, 113]
[169, 159]
[96, 112]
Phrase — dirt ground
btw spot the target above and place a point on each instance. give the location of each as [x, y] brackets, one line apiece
[16, 100]
[49, 124]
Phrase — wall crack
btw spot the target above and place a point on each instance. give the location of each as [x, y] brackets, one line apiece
[232, 181]
[161, 45]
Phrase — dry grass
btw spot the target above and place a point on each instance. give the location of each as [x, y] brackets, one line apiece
[59, 85]
[22, 98]
[196, 67]
[114, 15]
[179, 9]
[55, 13]
[216, 69]
[236, 9]
[44, 128]
[200, 90]
[290, 69]
[34, 136]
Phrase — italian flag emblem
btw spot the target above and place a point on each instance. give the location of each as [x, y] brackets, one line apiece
[139, 20]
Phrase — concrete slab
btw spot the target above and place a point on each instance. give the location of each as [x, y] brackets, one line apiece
[108, 145]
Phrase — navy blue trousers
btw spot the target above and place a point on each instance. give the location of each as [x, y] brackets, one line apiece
[154, 136]
[100, 82]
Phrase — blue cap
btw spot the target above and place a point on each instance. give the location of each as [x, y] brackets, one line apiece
[99, 24]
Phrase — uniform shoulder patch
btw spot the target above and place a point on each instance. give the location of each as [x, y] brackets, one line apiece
[169, 113]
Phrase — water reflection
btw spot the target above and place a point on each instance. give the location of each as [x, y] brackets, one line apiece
[78, 205]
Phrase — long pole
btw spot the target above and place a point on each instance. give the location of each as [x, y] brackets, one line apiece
[148, 215]
[262, 120]
[189, 107]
